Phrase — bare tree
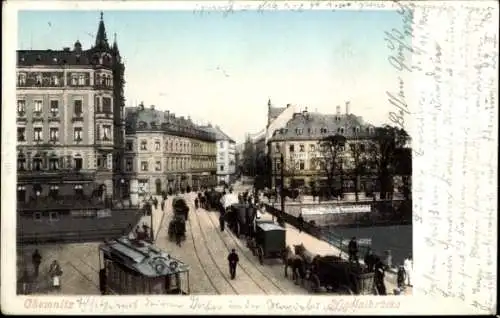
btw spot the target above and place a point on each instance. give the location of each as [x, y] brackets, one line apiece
[383, 155]
[359, 163]
[331, 160]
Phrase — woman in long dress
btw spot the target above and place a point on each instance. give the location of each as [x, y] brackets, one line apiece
[55, 272]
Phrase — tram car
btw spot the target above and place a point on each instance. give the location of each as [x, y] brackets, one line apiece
[240, 218]
[180, 207]
[136, 267]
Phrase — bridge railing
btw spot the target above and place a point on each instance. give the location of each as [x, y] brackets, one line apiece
[322, 233]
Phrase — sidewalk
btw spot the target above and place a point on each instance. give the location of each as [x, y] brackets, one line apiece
[158, 215]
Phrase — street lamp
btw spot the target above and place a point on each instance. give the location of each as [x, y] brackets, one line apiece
[282, 163]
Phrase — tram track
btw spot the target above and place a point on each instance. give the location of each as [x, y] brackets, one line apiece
[208, 250]
[241, 248]
[244, 268]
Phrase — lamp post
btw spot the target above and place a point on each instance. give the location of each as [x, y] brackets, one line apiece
[282, 163]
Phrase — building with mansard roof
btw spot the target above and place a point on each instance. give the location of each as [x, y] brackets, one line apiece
[298, 141]
[70, 128]
[167, 153]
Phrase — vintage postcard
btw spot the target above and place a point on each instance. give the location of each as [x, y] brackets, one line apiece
[256, 157]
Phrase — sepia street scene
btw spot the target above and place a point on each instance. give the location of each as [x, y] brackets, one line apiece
[180, 152]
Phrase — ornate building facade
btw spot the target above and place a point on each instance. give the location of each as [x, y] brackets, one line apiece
[166, 153]
[70, 120]
[299, 143]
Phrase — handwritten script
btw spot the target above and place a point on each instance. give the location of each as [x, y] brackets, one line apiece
[453, 70]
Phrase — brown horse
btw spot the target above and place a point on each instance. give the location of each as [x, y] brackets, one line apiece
[307, 256]
[296, 263]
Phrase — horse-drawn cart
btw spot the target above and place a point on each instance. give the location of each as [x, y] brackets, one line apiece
[341, 276]
[269, 241]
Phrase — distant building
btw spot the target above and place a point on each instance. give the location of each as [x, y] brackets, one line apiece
[226, 154]
[299, 140]
[167, 153]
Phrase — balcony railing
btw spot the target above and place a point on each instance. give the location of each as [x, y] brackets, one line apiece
[66, 174]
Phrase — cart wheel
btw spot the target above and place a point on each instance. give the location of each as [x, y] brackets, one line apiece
[260, 251]
[315, 283]
[344, 290]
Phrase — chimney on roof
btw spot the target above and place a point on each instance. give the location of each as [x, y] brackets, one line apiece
[338, 110]
[347, 103]
[288, 105]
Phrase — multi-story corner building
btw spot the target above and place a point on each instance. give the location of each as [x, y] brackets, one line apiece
[70, 120]
[166, 153]
[299, 143]
[226, 155]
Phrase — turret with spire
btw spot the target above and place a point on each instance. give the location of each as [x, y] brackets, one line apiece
[101, 41]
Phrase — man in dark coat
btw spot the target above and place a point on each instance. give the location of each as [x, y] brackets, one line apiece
[36, 259]
[196, 203]
[353, 250]
[300, 219]
[370, 260]
[222, 221]
[233, 260]
[379, 278]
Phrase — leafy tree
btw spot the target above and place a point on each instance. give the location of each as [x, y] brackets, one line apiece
[331, 161]
[382, 154]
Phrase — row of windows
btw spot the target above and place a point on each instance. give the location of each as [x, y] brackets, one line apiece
[312, 148]
[313, 165]
[38, 106]
[324, 130]
[169, 146]
[104, 133]
[171, 164]
[57, 163]
[76, 79]
[54, 163]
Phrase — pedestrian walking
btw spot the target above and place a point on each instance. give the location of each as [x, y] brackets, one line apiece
[36, 259]
[222, 221]
[233, 260]
[401, 277]
[379, 278]
[163, 205]
[369, 260]
[55, 273]
[353, 250]
[196, 203]
[300, 220]
[408, 267]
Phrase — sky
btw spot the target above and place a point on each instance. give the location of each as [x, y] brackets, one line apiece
[223, 69]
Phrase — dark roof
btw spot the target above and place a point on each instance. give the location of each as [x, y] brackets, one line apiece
[219, 134]
[312, 125]
[149, 119]
[71, 56]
